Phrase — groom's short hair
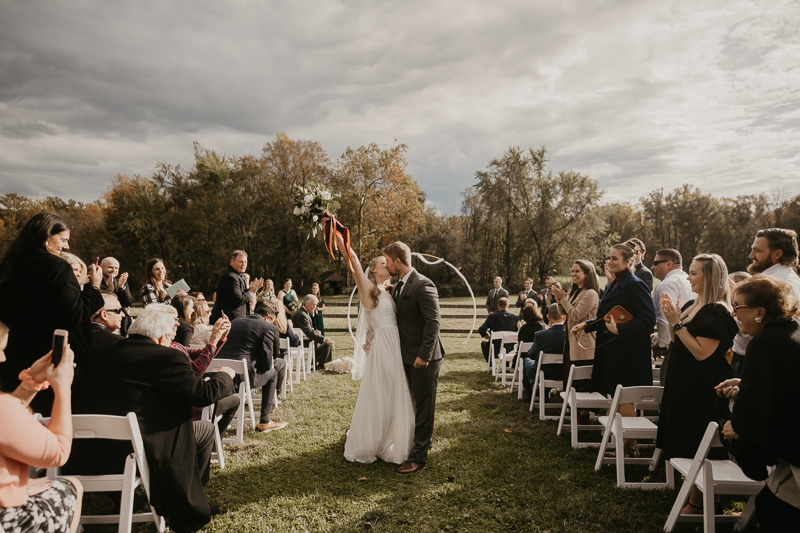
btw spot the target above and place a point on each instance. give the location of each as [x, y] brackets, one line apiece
[399, 250]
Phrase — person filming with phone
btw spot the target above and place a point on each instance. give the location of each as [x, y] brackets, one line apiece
[34, 277]
[54, 505]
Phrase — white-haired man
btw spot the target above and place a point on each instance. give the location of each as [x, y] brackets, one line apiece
[143, 375]
[301, 319]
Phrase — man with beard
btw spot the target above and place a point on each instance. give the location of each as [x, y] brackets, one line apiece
[774, 253]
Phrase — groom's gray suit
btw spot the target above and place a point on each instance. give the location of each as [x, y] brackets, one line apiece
[418, 321]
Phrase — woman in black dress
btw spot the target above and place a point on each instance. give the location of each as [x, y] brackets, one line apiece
[702, 332]
[533, 322]
[622, 352]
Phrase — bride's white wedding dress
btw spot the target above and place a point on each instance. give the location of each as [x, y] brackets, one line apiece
[383, 420]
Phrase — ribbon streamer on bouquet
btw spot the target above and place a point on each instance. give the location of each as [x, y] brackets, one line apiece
[331, 226]
[437, 260]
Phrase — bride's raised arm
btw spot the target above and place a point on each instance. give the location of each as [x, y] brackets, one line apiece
[364, 285]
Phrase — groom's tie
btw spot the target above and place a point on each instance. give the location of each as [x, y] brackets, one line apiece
[397, 289]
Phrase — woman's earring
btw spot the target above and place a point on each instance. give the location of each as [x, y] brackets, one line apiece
[758, 320]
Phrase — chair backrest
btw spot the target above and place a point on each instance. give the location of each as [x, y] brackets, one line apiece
[498, 335]
[237, 365]
[551, 358]
[647, 395]
[510, 337]
[113, 428]
[284, 344]
[577, 373]
[524, 347]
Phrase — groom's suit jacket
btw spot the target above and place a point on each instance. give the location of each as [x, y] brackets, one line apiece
[418, 320]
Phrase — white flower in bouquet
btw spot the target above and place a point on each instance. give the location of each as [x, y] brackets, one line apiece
[310, 202]
[296, 211]
[308, 198]
[315, 218]
[326, 195]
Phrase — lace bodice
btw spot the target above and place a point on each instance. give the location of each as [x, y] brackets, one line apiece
[382, 315]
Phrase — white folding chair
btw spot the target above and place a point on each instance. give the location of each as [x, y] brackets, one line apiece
[297, 361]
[209, 415]
[618, 428]
[506, 358]
[115, 428]
[657, 375]
[310, 353]
[711, 477]
[245, 395]
[516, 378]
[494, 336]
[540, 383]
[580, 400]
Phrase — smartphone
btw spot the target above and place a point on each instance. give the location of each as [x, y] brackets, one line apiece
[60, 339]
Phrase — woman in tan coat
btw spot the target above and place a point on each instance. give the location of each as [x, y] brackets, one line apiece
[580, 305]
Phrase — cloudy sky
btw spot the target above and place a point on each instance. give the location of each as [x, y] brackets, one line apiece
[637, 94]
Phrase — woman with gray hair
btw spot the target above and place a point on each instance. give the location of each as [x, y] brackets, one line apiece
[702, 331]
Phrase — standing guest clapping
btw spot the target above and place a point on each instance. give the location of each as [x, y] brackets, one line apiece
[702, 331]
[39, 294]
[118, 284]
[78, 267]
[155, 290]
[24, 441]
[622, 351]
[774, 253]
[526, 295]
[580, 305]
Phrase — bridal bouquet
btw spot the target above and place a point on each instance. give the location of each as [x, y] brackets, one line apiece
[310, 202]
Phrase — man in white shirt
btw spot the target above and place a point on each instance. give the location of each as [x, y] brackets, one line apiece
[774, 253]
[667, 266]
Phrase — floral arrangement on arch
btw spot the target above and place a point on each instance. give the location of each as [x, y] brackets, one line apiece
[310, 202]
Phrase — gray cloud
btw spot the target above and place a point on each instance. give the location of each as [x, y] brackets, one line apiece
[638, 95]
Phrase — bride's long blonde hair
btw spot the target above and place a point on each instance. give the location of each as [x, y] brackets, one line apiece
[375, 291]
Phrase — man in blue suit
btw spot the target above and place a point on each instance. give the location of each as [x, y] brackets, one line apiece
[500, 320]
[548, 341]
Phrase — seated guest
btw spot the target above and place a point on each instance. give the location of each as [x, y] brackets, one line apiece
[118, 284]
[199, 359]
[532, 321]
[184, 305]
[107, 321]
[40, 505]
[286, 332]
[155, 290]
[143, 375]
[500, 320]
[200, 319]
[766, 406]
[254, 338]
[233, 292]
[301, 319]
[547, 341]
[78, 267]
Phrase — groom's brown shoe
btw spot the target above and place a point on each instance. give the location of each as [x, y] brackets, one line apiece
[409, 468]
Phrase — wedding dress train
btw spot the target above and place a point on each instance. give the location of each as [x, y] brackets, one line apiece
[383, 420]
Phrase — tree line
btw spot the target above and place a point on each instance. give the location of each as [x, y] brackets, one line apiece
[519, 219]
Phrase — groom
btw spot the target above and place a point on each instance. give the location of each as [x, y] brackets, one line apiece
[417, 304]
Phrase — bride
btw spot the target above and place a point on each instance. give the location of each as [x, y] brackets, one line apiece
[383, 420]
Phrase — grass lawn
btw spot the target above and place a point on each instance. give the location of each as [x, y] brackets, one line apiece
[493, 467]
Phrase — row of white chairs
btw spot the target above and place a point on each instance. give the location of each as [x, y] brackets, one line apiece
[712, 477]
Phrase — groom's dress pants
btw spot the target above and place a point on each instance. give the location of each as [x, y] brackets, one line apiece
[423, 382]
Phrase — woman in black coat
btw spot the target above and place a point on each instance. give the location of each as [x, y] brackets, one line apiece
[622, 352]
[39, 294]
[766, 401]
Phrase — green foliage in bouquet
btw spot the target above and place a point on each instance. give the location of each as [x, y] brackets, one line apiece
[310, 202]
